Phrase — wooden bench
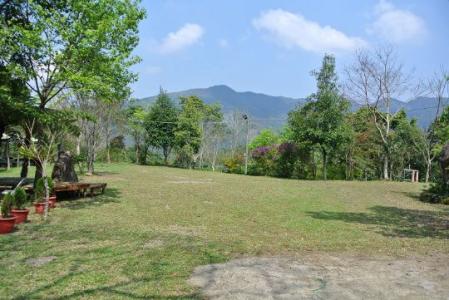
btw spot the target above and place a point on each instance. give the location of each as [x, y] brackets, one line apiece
[97, 187]
[80, 188]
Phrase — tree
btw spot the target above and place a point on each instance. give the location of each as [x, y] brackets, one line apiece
[160, 124]
[320, 122]
[190, 128]
[427, 141]
[212, 128]
[375, 78]
[265, 138]
[136, 117]
[188, 131]
[79, 45]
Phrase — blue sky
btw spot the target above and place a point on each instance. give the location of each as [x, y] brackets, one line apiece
[271, 46]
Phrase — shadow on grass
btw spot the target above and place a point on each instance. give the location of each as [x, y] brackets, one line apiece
[103, 173]
[396, 222]
[111, 195]
[113, 290]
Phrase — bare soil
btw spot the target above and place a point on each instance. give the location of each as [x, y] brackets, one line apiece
[326, 277]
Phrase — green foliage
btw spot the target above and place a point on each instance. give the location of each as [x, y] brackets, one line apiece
[20, 198]
[320, 122]
[189, 131]
[184, 158]
[39, 189]
[265, 138]
[160, 124]
[7, 203]
[84, 44]
[234, 164]
[441, 131]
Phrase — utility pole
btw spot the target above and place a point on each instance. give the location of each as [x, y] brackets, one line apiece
[245, 117]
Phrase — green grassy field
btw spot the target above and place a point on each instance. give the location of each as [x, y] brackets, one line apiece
[143, 238]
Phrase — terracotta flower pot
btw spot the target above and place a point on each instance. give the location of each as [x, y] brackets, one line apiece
[7, 224]
[52, 201]
[39, 208]
[20, 214]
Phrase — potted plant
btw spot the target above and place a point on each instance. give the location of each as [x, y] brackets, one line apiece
[19, 211]
[7, 221]
[40, 195]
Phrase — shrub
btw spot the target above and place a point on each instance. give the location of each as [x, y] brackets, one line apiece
[39, 189]
[264, 158]
[287, 154]
[436, 193]
[7, 203]
[234, 164]
[20, 198]
[184, 159]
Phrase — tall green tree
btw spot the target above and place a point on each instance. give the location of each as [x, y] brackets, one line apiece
[82, 45]
[136, 117]
[320, 122]
[189, 131]
[160, 124]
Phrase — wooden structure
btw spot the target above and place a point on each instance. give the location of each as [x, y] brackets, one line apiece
[80, 189]
[414, 174]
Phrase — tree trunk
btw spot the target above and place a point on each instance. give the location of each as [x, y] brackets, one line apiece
[428, 167]
[108, 154]
[8, 162]
[385, 171]
[166, 152]
[324, 164]
[47, 195]
[78, 145]
[26, 161]
[90, 164]
[137, 154]
[39, 171]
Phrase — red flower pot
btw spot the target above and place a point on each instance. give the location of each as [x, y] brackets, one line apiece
[52, 201]
[20, 214]
[39, 208]
[7, 224]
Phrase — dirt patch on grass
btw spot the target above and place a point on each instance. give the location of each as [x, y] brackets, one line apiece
[40, 261]
[153, 244]
[326, 277]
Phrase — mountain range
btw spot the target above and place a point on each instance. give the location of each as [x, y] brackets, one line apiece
[272, 110]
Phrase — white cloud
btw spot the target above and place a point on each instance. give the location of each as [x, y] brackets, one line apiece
[396, 25]
[293, 30]
[223, 43]
[186, 36]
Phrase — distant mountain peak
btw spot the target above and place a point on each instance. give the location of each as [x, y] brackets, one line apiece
[264, 107]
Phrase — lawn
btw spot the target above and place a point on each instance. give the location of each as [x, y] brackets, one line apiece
[143, 238]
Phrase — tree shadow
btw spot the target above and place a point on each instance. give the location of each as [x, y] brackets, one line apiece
[111, 195]
[113, 290]
[413, 195]
[103, 173]
[396, 222]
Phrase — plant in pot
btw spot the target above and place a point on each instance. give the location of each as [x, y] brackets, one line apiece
[7, 221]
[20, 211]
[42, 151]
[40, 194]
